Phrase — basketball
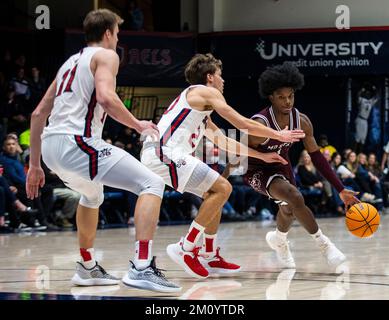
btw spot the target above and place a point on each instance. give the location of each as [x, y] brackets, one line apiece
[362, 220]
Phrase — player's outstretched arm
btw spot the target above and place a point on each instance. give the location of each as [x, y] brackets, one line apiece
[35, 174]
[232, 146]
[107, 66]
[216, 99]
[347, 196]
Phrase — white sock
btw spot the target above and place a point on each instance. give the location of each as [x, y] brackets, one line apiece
[143, 254]
[319, 237]
[193, 236]
[281, 235]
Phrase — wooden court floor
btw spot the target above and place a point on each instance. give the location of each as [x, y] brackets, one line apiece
[41, 265]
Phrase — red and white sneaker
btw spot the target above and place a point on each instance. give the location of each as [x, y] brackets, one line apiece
[189, 260]
[217, 264]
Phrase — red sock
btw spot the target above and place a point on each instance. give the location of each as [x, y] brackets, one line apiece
[143, 253]
[209, 244]
[87, 257]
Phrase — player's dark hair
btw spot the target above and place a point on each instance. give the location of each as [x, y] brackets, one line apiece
[199, 66]
[285, 75]
[97, 22]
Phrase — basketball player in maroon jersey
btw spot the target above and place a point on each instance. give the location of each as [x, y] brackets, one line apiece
[276, 181]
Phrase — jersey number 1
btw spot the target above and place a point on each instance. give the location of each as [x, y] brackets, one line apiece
[68, 87]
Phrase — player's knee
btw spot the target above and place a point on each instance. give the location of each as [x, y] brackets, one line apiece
[287, 212]
[154, 186]
[296, 199]
[224, 188]
[93, 202]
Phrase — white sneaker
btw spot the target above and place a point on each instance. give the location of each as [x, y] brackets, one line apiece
[150, 278]
[333, 255]
[95, 276]
[282, 249]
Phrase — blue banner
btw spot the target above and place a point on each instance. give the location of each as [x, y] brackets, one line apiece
[146, 59]
[314, 53]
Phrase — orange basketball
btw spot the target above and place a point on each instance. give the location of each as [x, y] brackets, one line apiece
[362, 219]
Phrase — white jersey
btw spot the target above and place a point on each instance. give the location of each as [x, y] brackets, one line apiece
[182, 127]
[365, 106]
[76, 111]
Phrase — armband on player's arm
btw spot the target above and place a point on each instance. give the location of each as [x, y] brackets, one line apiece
[325, 169]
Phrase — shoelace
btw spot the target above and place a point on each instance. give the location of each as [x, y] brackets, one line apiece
[284, 247]
[158, 271]
[153, 267]
[196, 254]
[323, 247]
[217, 255]
[101, 269]
[196, 251]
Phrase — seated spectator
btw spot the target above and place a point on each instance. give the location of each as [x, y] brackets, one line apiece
[21, 90]
[69, 197]
[345, 154]
[15, 174]
[347, 178]
[324, 145]
[363, 184]
[309, 176]
[130, 140]
[374, 167]
[19, 149]
[20, 214]
[14, 169]
[370, 180]
[344, 174]
[385, 162]
[312, 181]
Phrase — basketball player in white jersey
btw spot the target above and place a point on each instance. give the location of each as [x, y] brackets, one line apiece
[367, 98]
[182, 127]
[78, 101]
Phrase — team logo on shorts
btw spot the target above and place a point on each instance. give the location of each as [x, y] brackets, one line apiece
[180, 163]
[106, 152]
[255, 181]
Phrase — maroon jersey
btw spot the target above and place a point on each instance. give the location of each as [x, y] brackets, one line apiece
[260, 174]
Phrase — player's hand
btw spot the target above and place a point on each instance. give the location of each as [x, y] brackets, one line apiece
[35, 179]
[148, 128]
[286, 135]
[349, 198]
[272, 157]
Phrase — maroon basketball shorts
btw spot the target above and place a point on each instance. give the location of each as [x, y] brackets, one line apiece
[260, 177]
